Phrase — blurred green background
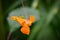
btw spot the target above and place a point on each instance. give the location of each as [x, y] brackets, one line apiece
[47, 16]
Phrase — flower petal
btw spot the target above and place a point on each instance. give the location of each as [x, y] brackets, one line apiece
[25, 30]
[32, 18]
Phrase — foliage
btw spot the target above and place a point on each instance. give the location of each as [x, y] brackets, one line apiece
[46, 26]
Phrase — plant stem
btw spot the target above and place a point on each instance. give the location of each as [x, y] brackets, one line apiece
[9, 34]
[24, 9]
[35, 3]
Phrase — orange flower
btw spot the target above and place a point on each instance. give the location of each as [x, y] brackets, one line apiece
[24, 23]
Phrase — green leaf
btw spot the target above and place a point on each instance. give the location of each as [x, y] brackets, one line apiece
[42, 26]
[2, 32]
[26, 12]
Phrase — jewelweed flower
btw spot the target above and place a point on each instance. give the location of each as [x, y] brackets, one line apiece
[25, 23]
